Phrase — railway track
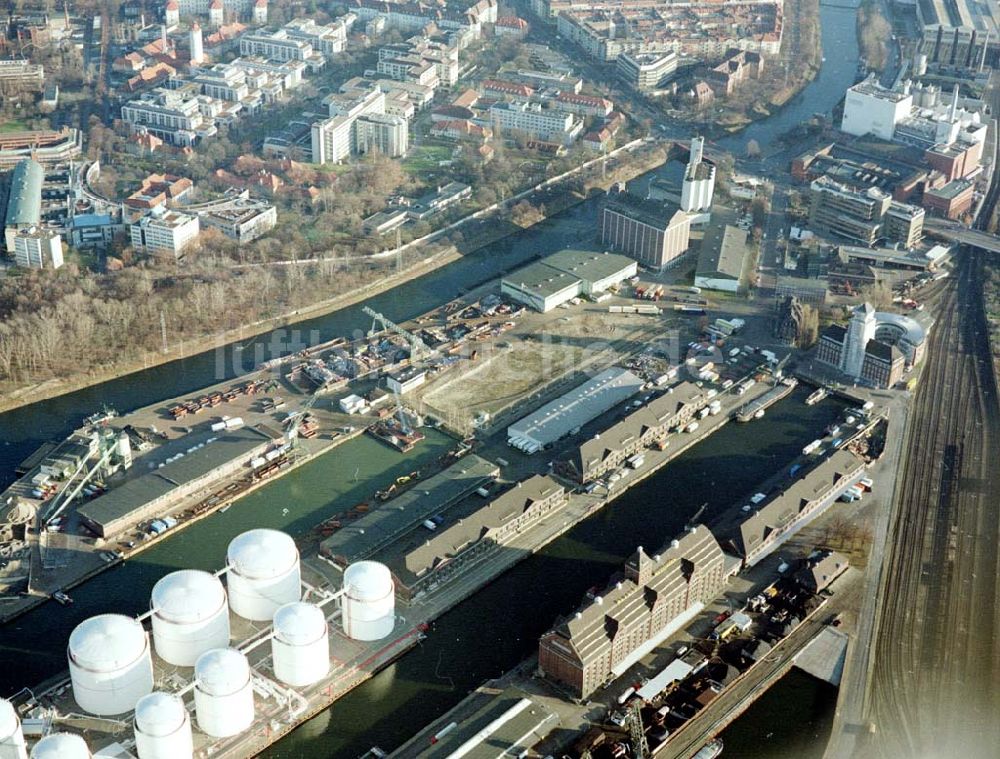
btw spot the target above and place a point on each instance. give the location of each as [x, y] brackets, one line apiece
[936, 679]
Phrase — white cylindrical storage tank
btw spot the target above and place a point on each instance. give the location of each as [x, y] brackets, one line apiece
[190, 616]
[263, 573]
[300, 648]
[223, 694]
[11, 734]
[162, 727]
[109, 664]
[61, 746]
[369, 601]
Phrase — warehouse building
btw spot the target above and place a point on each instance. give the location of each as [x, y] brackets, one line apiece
[574, 409]
[377, 529]
[654, 234]
[639, 430]
[722, 259]
[217, 455]
[424, 559]
[486, 725]
[778, 518]
[565, 275]
[656, 597]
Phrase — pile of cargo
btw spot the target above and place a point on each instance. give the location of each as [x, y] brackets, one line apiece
[212, 400]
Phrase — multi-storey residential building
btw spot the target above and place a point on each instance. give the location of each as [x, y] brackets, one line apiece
[22, 74]
[652, 233]
[174, 116]
[513, 91]
[276, 46]
[163, 231]
[44, 146]
[409, 68]
[738, 67]
[607, 29]
[646, 71]
[530, 119]
[409, 16]
[326, 39]
[288, 73]
[904, 223]
[37, 248]
[243, 220]
[336, 137]
[389, 135]
[246, 9]
[853, 214]
[222, 82]
[657, 595]
[642, 428]
[416, 53]
[582, 105]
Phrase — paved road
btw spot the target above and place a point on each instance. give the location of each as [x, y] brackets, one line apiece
[936, 676]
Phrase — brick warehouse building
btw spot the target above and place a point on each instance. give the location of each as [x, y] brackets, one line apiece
[657, 595]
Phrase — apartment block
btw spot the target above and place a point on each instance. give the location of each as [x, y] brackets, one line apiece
[646, 71]
[37, 248]
[175, 116]
[530, 119]
[243, 220]
[163, 231]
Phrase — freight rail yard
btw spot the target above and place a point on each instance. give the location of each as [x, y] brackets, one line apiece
[937, 660]
[439, 535]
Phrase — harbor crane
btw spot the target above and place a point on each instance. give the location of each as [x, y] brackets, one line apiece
[636, 734]
[295, 421]
[107, 446]
[418, 347]
[401, 415]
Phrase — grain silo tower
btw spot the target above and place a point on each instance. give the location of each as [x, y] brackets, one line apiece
[264, 573]
[190, 616]
[369, 601]
[223, 693]
[11, 735]
[300, 648]
[162, 727]
[61, 746]
[110, 664]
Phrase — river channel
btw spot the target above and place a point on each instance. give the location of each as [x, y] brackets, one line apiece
[498, 627]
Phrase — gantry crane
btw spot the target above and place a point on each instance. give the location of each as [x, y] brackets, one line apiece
[418, 347]
[107, 445]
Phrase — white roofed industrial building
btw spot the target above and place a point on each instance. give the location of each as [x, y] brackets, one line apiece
[565, 275]
[577, 407]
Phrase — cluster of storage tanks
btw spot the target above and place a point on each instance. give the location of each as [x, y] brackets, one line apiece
[110, 657]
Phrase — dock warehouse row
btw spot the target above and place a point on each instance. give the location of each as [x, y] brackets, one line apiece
[565, 275]
[468, 533]
[580, 405]
[380, 527]
[149, 495]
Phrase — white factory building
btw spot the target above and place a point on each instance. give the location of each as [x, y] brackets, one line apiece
[568, 413]
[565, 275]
[698, 185]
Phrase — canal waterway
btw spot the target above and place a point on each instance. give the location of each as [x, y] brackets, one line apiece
[496, 628]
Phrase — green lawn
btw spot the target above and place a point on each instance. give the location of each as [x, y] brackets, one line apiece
[424, 158]
[13, 125]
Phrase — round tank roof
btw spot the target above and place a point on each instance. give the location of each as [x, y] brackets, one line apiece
[8, 718]
[189, 595]
[61, 746]
[368, 581]
[262, 554]
[159, 714]
[221, 671]
[299, 623]
[107, 642]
